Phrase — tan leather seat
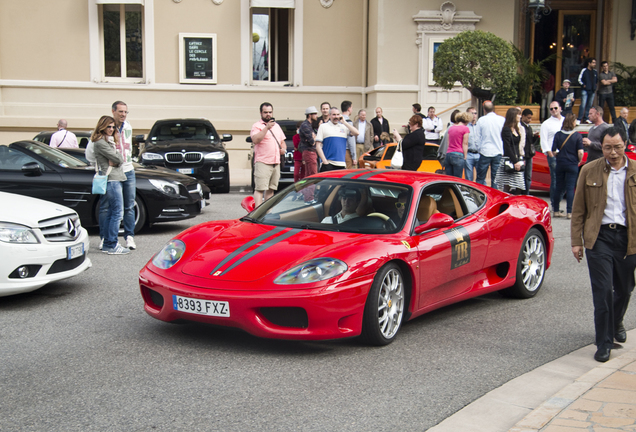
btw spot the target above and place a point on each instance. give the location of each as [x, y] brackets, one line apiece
[426, 208]
[449, 204]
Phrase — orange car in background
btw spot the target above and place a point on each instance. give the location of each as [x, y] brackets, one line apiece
[380, 158]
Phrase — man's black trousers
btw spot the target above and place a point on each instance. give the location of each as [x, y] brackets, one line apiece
[612, 278]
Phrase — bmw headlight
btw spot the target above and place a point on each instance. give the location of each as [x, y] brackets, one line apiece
[312, 271]
[169, 188]
[215, 156]
[14, 233]
[151, 156]
[169, 255]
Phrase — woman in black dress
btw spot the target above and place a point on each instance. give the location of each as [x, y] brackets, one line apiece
[412, 144]
[511, 136]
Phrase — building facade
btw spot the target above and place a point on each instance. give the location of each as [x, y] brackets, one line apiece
[220, 59]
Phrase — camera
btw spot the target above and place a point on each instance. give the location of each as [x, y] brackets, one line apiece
[272, 119]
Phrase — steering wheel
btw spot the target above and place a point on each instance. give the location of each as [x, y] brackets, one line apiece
[389, 224]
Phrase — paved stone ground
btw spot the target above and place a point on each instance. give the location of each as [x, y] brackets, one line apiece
[602, 400]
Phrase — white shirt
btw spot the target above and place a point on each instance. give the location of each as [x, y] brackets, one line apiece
[63, 138]
[362, 127]
[488, 131]
[615, 206]
[548, 128]
[432, 128]
[339, 218]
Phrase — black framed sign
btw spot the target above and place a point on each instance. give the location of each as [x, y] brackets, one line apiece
[197, 58]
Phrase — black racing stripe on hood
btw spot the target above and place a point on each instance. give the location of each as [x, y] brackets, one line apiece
[247, 246]
[368, 174]
[261, 248]
[352, 175]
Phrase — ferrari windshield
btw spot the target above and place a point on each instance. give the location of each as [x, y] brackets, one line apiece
[338, 205]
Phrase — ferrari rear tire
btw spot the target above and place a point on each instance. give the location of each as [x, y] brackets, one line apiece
[384, 308]
[531, 267]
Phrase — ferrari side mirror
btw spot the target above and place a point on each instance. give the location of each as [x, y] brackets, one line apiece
[248, 204]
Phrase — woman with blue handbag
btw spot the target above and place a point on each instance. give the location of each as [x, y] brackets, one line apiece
[108, 162]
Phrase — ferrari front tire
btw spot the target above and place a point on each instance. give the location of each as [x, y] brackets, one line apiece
[531, 266]
[384, 308]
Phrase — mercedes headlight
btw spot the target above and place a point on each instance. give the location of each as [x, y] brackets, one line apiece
[151, 156]
[217, 155]
[169, 188]
[169, 255]
[14, 233]
[314, 270]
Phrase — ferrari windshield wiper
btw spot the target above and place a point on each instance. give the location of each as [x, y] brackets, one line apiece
[248, 219]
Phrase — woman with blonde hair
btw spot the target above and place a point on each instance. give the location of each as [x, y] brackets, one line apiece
[108, 162]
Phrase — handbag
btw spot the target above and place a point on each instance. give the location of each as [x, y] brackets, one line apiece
[398, 159]
[508, 166]
[100, 182]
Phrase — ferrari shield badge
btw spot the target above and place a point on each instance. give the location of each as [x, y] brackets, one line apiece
[460, 246]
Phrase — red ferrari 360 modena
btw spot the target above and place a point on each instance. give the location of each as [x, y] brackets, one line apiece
[351, 252]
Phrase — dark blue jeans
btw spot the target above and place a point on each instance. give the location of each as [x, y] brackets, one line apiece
[553, 187]
[129, 190]
[454, 163]
[527, 174]
[482, 169]
[587, 99]
[566, 175]
[114, 213]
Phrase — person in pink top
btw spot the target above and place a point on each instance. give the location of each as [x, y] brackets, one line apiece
[269, 144]
[63, 138]
[457, 145]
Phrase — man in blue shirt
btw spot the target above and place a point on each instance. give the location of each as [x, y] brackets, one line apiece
[490, 144]
[331, 141]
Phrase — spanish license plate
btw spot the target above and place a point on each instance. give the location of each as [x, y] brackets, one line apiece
[74, 251]
[185, 170]
[201, 307]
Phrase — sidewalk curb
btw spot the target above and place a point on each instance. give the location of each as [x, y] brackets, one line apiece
[552, 407]
[550, 387]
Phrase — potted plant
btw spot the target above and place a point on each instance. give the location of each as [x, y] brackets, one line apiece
[625, 88]
[479, 61]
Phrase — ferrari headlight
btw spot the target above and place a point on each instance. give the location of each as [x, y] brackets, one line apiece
[14, 233]
[215, 155]
[169, 255]
[151, 156]
[312, 271]
[169, 188]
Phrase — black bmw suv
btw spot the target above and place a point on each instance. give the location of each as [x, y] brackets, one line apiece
[189, 146]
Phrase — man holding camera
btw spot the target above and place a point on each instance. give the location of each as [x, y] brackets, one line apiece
[269, 144]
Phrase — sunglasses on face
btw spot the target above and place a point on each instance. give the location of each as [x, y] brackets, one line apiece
[554, 108]
[110, 127]
[400, 205]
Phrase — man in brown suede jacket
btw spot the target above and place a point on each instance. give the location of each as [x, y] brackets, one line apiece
[604, 220]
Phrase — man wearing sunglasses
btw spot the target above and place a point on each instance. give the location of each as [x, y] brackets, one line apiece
[350, 200]
[548, 128]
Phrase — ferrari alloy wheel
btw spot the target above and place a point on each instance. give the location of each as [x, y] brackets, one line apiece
[530, 266]
[384, 309]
